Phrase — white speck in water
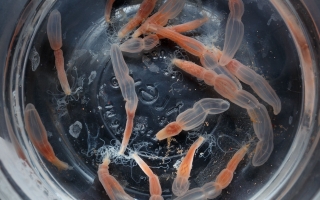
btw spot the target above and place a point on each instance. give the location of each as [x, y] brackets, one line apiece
[77, 54]
[177, 164]
[290, 120]
[260, 4]
[75, 129]
[94, 57]
[92, 77]
[153, 68]
[123, 15]
[49, 134]
[274, 17]
[34, 58]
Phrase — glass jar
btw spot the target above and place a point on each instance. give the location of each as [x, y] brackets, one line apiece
[281, 42]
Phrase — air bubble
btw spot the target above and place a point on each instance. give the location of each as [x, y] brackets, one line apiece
[114, 82]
